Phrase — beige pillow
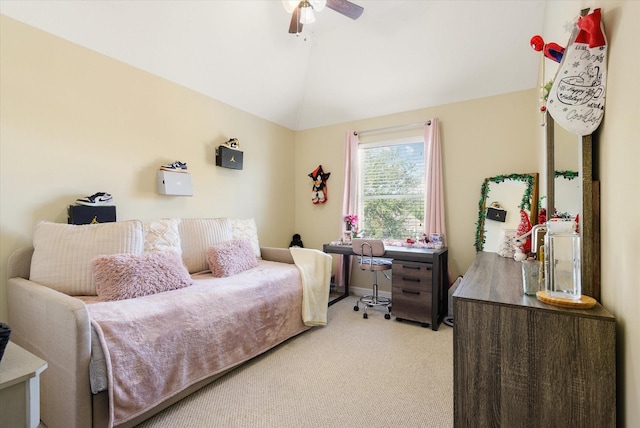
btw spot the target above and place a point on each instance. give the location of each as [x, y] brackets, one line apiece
[198, 234]
[63, 252]
[162, 235]
[246, 229]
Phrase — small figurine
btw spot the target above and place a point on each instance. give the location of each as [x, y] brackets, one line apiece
[518, 245]
[296, 241]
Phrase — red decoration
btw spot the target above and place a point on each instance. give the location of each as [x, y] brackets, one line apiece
[523, 228]
[552, 50]
[542, 216]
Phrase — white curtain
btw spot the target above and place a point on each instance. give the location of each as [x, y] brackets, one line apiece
[350, 190]
[433, 192]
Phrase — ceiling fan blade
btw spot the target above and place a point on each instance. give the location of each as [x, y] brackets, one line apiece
[346, 8]
[295, 26]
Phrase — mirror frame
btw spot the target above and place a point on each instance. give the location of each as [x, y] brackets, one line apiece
[589, 212]
[529, 201]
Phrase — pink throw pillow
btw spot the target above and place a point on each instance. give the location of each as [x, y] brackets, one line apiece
[231, 257]
[125, 276]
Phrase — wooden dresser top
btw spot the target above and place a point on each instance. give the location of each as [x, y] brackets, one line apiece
[498, 280]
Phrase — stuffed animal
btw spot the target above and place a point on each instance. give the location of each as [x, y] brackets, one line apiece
[319, 190]
[519, 255]
[296, 241]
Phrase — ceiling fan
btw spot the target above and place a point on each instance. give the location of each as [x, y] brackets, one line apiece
[302, 11]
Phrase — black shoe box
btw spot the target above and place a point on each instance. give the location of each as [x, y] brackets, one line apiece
[80, 214]
[229, 158]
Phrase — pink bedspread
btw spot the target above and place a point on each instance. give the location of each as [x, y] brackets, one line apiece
[158, 345]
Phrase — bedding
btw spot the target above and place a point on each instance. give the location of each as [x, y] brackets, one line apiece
[149, 360]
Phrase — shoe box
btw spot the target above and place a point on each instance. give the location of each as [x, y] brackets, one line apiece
[229, 158]
[174, 183]
[80, 214]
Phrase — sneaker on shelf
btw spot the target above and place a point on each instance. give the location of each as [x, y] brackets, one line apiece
[97, 199]
[177, 166]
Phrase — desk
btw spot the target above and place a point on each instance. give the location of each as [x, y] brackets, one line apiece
[20, 388]
[435, 261]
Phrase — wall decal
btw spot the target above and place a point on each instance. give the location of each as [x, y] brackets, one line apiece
[319, 188]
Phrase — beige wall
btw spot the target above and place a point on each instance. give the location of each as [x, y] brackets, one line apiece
[74, 122]
[619, 152]
[479, 138]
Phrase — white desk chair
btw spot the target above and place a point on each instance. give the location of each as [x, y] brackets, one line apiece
[369, 252]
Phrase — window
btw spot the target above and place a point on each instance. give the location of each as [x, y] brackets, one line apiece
[391, 189]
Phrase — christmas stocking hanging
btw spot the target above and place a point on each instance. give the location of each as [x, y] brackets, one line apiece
[576, 99]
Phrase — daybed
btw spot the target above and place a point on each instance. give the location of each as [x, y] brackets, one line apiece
[127, 330]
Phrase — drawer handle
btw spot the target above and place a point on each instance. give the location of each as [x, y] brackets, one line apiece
[417, 293]
[407, 267]
[404, 278]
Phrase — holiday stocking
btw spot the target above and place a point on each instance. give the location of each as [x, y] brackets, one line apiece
[576, 99]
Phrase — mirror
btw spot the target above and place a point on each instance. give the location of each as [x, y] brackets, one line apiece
[568, 194]
[567, 189]
[574, 150]
[511, 192]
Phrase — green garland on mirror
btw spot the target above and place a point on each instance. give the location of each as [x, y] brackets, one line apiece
[568, 174]
[484, 192]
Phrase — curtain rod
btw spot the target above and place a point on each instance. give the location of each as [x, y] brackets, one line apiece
[388, 128]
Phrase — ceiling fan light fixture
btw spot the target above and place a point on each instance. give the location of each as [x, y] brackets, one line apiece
[290, 5]
[306, 15]
[318, 5]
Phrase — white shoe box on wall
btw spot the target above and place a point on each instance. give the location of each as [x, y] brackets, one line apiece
[174, 183]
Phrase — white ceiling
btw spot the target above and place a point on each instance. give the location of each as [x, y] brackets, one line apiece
[398, 56]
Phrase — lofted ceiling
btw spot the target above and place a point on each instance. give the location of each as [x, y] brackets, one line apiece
[398, 56]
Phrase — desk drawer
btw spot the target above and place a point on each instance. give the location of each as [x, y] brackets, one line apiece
[411, 304]
[412, 276]
[411, 291]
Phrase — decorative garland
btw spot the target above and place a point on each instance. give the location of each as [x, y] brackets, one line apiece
[568, 174]
[484, 192]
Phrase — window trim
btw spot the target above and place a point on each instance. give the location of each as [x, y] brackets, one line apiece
[383, 143]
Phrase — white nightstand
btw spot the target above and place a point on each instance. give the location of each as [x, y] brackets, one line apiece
[20, 388]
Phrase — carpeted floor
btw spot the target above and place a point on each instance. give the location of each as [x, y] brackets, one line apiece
[351, 373]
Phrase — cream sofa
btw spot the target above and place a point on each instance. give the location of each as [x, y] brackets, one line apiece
[118, 362]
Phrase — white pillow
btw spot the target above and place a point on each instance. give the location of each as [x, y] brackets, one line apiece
[162, 235]
[63, 252]
[246, 229]
[198, 234]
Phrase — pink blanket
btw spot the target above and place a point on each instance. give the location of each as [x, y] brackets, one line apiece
[158, 345]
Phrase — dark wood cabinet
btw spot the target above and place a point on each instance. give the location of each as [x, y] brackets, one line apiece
[519, 362]
[419, 291]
